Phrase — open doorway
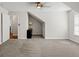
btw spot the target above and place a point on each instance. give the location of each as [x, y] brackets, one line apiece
[37, 26]
[14, 27]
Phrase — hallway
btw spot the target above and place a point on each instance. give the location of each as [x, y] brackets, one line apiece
[39, 48]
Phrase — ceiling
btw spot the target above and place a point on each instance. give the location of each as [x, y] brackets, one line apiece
[23, 6]
[73, 5]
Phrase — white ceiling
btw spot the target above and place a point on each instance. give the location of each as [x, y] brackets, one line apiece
[23, 6]
[73, 5]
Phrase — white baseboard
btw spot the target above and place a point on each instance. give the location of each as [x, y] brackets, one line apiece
[75, 40]
[22, 38]
[56, 38]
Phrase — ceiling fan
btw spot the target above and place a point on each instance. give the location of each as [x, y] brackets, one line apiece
[41, 4]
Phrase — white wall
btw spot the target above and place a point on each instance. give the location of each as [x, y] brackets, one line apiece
[36, 25]
[0, 27]
[56, 24]
[75, 10]
[72, 36]
[5, 25]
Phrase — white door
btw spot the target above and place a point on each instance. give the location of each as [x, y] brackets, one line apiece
[22, 26]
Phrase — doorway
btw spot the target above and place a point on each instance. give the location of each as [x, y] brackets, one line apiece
[37, 26]
[14, 27]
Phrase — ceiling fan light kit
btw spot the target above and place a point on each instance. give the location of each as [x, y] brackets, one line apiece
[38, 7]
